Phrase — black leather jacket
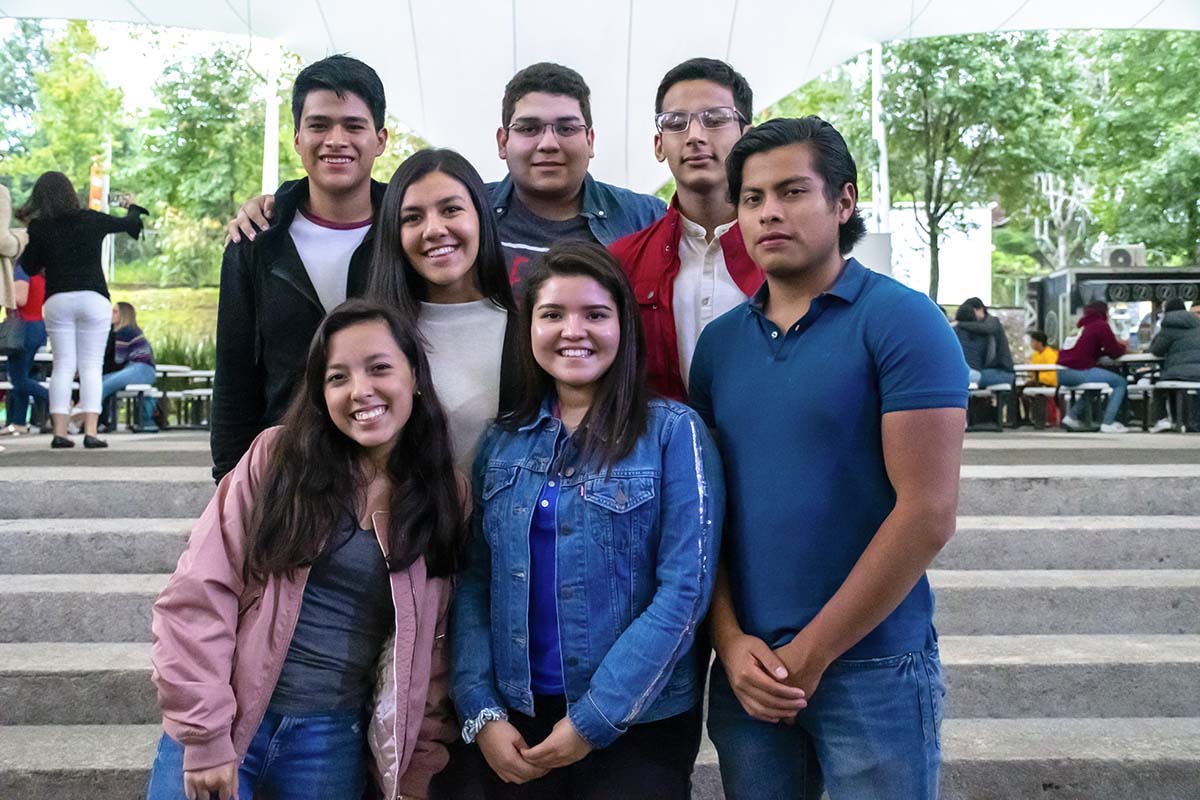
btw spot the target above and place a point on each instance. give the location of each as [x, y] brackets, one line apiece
[266, 317]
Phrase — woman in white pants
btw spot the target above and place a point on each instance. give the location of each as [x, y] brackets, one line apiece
[64, 243]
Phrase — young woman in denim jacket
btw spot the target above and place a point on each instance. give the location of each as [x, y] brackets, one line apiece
[307, 618]
[592, 561]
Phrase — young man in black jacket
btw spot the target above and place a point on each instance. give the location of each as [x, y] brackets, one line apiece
[276, 288]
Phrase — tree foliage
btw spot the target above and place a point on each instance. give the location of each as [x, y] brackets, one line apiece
[77, 112]
[966, 117]
[22, 56]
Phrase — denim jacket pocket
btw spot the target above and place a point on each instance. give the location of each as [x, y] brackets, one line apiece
[496, 510]
[618, 523]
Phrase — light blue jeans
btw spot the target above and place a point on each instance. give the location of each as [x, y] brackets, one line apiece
[1074, 377]
[133, 372]
[290, 758]
[872, 731]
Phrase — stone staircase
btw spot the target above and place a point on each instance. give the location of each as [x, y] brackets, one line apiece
[1068, 605]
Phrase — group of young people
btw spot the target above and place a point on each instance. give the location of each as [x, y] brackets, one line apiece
[687, 427]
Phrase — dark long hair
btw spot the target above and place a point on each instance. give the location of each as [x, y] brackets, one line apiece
[617, 416]
[394, 281]
[52, 196]
[315, 471]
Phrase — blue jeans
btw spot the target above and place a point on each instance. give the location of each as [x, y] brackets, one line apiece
[991, 377]
[1074, 377]
[20, 363]
[134, 372]
[290, 758]
[871, 732]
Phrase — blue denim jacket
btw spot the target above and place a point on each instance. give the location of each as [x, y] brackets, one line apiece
[611, 211]
[636, 559]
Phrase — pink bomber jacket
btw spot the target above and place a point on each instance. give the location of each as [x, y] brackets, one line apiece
[220, 643]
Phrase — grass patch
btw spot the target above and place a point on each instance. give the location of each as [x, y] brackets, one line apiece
[180, 322]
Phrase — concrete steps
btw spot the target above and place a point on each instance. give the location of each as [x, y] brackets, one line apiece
[46, 683]
[33, 546]
[1068, 605]
[148, 545]
[116, 607]
[996, 759]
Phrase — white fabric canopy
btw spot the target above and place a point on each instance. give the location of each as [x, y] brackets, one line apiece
[444, 63]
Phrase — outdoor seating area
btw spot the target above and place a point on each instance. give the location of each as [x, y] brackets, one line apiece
[182, 395]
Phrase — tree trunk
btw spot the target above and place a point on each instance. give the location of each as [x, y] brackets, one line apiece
[935, 235]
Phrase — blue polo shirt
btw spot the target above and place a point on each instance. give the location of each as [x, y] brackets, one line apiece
[798, 418]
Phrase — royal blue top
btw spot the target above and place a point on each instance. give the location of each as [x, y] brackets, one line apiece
[798, 420]
[545, 653]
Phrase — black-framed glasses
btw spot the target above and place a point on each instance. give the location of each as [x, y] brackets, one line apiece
[536, 129]
[711, 118]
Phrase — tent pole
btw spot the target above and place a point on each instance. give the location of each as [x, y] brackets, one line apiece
[270, 162]
[881, 198]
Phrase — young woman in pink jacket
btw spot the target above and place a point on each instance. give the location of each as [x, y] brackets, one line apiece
[306, 619]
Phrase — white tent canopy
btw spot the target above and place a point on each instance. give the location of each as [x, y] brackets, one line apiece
[444, 63]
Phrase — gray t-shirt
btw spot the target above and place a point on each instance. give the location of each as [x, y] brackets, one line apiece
[464, 345]
[345, 616]
[524, 236]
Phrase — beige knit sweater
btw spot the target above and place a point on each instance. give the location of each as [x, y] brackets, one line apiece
[12, 242]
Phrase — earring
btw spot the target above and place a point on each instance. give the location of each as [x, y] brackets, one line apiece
[417, 393]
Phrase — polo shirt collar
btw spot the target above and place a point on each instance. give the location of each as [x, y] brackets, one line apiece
[847, 287]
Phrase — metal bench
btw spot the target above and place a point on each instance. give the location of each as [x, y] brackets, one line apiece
[1179, 399]
[1093, 393]
[998, 397]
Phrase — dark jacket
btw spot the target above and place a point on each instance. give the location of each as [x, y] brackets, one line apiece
[266, 317]
[977, 347]
[650, 258]
[999, 355]
[1093, 340]
[1179, 343]
[611, 211]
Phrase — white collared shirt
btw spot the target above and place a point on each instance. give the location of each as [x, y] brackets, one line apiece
[704, 289]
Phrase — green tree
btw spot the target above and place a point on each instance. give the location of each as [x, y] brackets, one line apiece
[77, 114]
[22, 57]
[1148, 126]
[964, 116]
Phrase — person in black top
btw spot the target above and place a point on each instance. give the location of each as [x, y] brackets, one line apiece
[276, 288]
[64, 244]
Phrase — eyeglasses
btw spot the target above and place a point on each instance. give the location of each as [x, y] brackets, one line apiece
[710, 118]
[536, 129]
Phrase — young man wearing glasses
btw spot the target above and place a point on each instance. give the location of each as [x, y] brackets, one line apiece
[691, 266]
[546, 139]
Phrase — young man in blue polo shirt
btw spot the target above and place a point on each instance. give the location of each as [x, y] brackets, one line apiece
[839, 399]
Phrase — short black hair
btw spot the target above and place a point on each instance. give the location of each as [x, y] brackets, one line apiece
[341, 75]
[1039, 337]
[551, 78]
[831, 158]
[714, 71]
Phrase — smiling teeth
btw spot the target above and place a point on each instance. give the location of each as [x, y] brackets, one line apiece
[575, 353]
[367, 416]
[337, 160]
[441, 251]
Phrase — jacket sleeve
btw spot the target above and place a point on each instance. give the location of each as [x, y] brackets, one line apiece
[194, 622]
[239, 400]
[474, 681]
[438, 728]
[131, 223]
[1109, 344]
[1161, 344]
[635, 670]
[33, 260]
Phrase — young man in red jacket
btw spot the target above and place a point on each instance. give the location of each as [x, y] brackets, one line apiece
[690, 266]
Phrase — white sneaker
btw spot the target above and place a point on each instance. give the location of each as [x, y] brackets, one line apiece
[1071, 423]
[1113, 427]
[1162, 425]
